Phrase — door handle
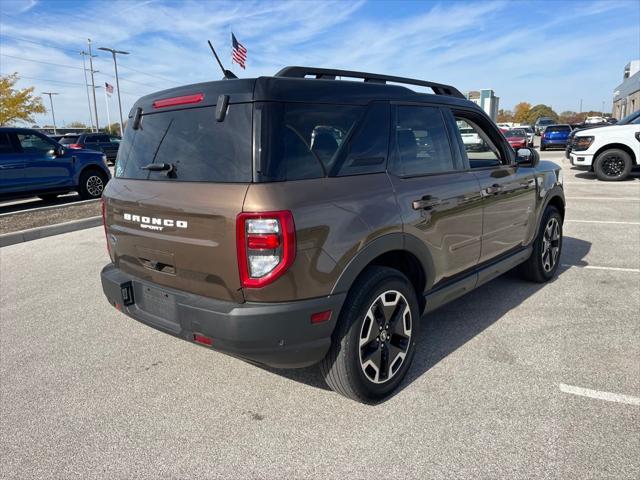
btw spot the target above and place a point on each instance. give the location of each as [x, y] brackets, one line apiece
[425, 203]
[495, 188]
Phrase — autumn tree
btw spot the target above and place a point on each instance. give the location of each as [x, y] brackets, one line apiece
[541, 110]
[521, 112]
[76, 124]
[17, 105]
[505, 116]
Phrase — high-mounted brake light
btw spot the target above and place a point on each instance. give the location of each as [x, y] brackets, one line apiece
[183, 100]
[266, 245]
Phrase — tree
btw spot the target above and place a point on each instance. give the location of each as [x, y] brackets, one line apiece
[541, 110]
[113, 129]
[505, 116]
[77, 125]
[569, 116]
[521, 112]
[17, 105]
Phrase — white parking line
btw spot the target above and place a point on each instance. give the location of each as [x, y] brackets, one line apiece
[593, 267]
[607, 396]
[605, 184]
[608, 222]
[607, 199]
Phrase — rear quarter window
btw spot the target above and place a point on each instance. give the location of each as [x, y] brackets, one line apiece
[199, 148]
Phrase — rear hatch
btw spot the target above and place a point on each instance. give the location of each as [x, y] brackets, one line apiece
[557, 133]
[180, 181]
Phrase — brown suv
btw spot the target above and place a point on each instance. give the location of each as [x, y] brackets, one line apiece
[297, 219]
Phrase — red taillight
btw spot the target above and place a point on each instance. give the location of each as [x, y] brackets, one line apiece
[202, 340]
[321, 317]
[266, 245]
[183, 100]
[103, 207]
[74, 145]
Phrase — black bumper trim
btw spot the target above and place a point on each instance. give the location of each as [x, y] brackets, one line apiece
[280, 335]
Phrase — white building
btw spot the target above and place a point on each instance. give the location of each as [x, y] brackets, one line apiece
[487, 100]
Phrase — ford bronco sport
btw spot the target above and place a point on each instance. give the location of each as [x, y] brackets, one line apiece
[302, 219]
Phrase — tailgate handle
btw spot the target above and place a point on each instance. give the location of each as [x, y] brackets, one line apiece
[157, 266]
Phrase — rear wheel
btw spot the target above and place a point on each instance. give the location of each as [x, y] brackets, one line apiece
[612, 165]
[92, 183]
[374, 341]
[543, 263]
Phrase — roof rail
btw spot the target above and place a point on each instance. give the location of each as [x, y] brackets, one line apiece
[331, 74]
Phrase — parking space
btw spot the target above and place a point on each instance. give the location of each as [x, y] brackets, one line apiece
[514, 380]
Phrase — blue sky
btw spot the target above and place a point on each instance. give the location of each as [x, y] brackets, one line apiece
[553, 52]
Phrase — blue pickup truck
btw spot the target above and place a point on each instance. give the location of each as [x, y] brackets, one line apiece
[32, 164]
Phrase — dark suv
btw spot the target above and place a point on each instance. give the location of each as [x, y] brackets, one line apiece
[101, 142]
[300, 219]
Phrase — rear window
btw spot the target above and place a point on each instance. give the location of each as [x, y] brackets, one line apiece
[196, 146]
[515, 133]
[68, 139]
[559, 128]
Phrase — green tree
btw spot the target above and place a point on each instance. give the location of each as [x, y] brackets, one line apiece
[541, 110]
[17, 105]
[521, 112]
[113, 129]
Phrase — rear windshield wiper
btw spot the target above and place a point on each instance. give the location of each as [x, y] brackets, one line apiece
[168, 168]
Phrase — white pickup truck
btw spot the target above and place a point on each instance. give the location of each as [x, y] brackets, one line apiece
[611, 152]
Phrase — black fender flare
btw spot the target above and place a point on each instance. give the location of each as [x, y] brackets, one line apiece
[398, 241]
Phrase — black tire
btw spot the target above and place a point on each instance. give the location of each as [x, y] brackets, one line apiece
[92, 183]
[612, 165]
[543, 263]
[349, 368]
[49, 197]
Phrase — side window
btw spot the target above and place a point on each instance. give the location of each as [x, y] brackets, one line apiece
[367, 150]
[480, 149]
[103, 138]
[32, 143]
[5, 144]
[421, 142]
[91, 139]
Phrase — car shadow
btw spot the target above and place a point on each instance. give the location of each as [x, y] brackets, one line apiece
[445, 330]
[22, 204]
[633, 176]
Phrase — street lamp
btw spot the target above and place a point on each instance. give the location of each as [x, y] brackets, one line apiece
[52, 112]
[115, 64]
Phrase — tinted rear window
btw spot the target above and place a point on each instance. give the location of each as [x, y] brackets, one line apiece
[68, 140]
[559, 128]
[199, 148]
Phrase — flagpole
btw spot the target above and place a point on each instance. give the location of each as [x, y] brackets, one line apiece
[106, 101]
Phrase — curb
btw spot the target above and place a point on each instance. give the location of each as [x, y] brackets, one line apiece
[48, 231]
[49, 207]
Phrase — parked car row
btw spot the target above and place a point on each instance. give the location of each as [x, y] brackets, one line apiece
[33, 164]
[101, 142]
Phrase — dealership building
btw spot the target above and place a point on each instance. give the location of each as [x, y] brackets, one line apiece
[626, 96]
[487, 100]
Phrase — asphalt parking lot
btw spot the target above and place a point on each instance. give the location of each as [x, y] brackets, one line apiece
[515, 380]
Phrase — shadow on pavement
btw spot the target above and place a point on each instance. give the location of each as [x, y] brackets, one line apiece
[447, 329]
[22, 204]
[633, 176]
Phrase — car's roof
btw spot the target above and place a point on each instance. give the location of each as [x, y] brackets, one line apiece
[308, 90]
[18, 129]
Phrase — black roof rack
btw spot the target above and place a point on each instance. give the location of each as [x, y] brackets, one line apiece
[331, 74]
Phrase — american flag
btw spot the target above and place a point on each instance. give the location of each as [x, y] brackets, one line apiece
[108, 88]
[239, 54]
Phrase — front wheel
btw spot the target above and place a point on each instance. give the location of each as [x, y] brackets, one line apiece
[374, 341]
[92, 183]
[543, 263]
[612, 165]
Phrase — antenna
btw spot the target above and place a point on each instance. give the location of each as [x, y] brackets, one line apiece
[228, 74]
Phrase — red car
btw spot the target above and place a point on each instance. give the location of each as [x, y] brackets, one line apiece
[517, 138]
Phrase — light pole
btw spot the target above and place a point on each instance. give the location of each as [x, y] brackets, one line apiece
[93, 86]
[115, 64]
[55, 132]
[86, 84]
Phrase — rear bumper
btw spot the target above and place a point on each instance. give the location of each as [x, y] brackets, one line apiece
[276, 334]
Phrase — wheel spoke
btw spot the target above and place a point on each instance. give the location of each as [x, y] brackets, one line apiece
[372, 331]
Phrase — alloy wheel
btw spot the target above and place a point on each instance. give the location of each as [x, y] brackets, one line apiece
[385, 336]
[613, 165]
[95, 185]
[550, 244]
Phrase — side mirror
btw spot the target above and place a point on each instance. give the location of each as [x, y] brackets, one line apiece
[58, 151]
[527, 157]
